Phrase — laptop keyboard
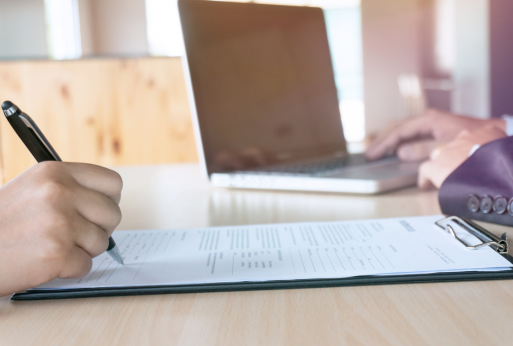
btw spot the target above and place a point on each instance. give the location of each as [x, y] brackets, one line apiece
[317, 167]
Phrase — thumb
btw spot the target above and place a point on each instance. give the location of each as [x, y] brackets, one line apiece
[417, 151]
[424, 181]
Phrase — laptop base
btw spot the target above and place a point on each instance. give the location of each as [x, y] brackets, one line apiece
[363, 180]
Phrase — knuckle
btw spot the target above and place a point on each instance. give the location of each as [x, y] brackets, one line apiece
[117, 216]
[115, 182]
[101, 243]
[118, 181]
[463, 133]
[48, 168]
[491, 128]
[115, 185]
[52, 191]
[112, 218]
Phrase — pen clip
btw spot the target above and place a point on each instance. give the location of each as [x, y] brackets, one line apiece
[32, 126]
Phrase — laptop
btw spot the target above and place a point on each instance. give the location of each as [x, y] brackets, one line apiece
[264, 103]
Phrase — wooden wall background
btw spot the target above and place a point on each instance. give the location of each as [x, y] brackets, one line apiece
[103, 111]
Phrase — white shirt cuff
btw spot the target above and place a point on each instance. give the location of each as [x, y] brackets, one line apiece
[509, 124]
[473, 149]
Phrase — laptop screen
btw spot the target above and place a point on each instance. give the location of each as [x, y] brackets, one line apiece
[263, 83]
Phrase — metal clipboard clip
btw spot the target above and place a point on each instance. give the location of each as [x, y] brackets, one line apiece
[488, 239]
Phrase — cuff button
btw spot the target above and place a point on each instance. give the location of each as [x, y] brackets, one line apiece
[500, 204]
[486, 204]
[510, 207]
[473, 203]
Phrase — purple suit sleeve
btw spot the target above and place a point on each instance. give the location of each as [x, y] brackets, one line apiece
[482, 187]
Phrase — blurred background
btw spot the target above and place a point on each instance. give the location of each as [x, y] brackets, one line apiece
[86, 71]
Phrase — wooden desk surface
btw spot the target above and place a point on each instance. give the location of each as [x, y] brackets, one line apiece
[179, 197]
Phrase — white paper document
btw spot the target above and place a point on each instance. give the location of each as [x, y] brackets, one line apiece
[296, 251]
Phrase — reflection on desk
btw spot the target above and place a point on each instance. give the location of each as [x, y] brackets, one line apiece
[179, 196]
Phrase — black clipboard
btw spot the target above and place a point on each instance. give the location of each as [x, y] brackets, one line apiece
[487, 238]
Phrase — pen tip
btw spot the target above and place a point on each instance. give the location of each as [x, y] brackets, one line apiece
[116, 255]
[119, 259]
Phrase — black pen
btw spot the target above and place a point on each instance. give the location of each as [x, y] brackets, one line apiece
[42, 150]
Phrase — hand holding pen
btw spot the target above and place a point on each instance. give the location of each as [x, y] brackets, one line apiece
[94, 190]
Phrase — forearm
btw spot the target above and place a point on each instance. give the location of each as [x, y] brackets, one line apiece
[487, 175]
